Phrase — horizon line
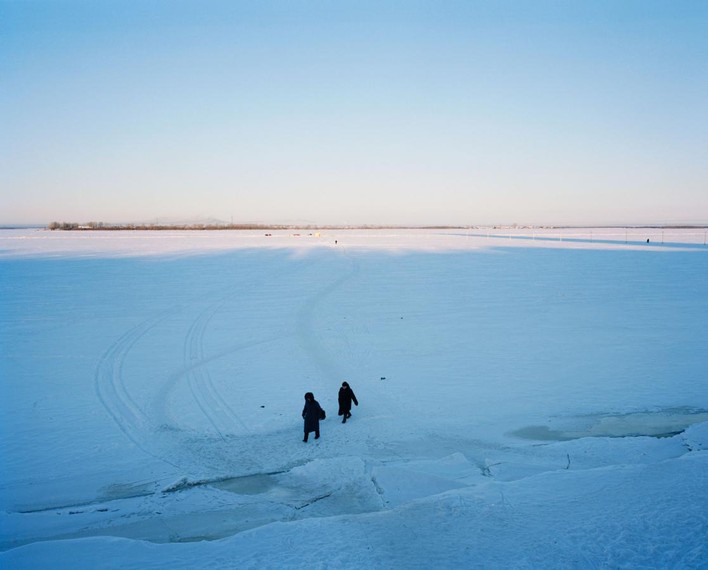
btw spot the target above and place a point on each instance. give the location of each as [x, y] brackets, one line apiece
[219, 225]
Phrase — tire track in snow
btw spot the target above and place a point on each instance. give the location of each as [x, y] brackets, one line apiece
[210, 401]
[309, 340]
[159, 407]
[110, 388]
[154, 430]
[208, 398]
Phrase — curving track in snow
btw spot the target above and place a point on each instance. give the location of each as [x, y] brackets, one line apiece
[307, 333]
[155, 431]
[111, 390]
[210, 401]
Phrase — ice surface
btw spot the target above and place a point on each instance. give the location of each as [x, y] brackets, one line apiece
[528, 398]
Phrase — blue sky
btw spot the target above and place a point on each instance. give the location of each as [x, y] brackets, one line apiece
[439, 112]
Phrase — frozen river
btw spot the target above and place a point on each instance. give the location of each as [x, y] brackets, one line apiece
[528, 398]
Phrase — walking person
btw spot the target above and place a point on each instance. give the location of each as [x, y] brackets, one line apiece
[346, 397]
[312, 413]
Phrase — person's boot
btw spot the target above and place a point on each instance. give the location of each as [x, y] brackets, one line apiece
[344, 420]
[305, 440]
[317, 435]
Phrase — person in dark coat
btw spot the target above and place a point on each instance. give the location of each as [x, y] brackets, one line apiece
[346, 397]
[311, 413]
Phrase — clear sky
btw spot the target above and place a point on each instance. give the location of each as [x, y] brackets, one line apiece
[380, 112]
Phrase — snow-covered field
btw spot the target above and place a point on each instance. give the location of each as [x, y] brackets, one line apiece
[528, 399]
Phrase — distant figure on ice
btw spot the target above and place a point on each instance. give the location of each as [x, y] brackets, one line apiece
[346, 397]
[312, 413]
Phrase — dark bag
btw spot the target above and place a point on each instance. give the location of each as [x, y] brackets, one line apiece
[322, 414]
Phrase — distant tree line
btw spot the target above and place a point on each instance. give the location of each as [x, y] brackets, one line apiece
[226, 226]
[116, 227]
[218, 226]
